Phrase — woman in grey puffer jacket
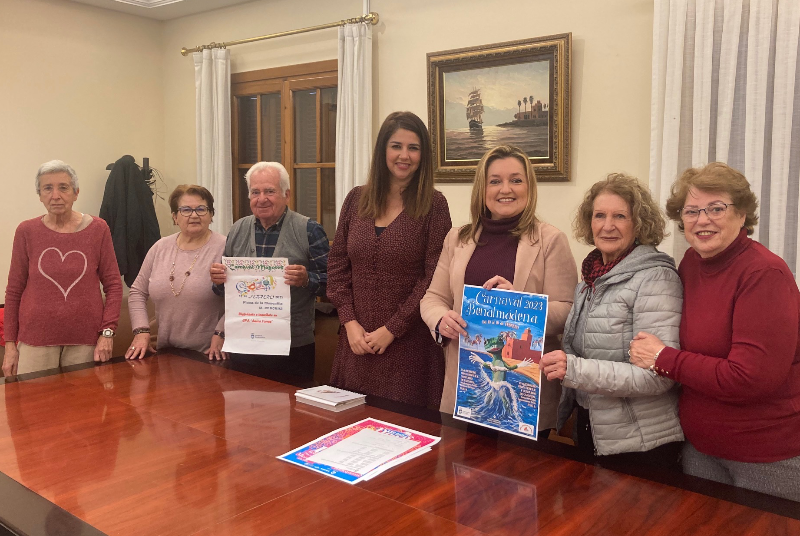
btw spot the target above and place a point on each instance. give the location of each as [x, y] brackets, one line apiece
[628, 286]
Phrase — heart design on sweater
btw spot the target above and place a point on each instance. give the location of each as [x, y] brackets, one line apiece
[63, 256]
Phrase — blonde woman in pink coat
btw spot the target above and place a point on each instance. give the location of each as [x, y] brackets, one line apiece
[504, 246]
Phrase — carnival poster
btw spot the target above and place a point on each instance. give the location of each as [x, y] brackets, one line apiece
[498, 363]
[257, 306]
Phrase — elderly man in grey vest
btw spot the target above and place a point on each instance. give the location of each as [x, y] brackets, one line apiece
[276, 231]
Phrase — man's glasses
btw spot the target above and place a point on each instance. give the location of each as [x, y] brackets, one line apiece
[714, 211]
[201, 211]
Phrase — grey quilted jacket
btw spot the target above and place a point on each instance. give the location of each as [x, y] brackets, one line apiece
[631, 409]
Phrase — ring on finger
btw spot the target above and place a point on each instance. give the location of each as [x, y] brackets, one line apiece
[629, 353]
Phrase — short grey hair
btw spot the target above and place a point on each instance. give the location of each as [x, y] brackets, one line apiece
[57, 166]
[277, 166]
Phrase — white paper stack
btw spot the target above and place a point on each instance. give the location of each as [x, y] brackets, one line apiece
[361, 451]
[330, 398]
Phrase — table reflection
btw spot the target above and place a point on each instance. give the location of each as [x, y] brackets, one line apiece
[505, 501]
[85, 431]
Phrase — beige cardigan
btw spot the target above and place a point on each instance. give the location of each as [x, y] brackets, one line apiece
[544, 265]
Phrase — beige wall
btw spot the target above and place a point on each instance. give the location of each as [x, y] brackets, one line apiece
[80, 84]
[612, 45]
[94, 84]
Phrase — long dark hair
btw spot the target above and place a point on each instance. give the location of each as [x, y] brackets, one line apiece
[418, 197]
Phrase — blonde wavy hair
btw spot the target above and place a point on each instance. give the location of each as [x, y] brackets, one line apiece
[477, 207]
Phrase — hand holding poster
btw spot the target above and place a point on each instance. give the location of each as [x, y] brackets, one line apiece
[498, 360]
[257, 306]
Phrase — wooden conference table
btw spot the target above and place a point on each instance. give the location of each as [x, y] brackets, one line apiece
[175, 445]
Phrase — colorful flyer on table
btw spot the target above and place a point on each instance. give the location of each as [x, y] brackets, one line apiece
[257, 306]
[498, 360]
[359, 451]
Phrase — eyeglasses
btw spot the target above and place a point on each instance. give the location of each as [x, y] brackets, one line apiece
[201, 211]
[714, 211]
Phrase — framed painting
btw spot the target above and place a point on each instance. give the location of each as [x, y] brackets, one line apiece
[515, 93]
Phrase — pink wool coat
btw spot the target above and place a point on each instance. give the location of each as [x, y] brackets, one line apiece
[544, 265]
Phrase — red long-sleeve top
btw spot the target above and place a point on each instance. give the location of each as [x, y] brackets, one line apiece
[53, 294]
[740, 362]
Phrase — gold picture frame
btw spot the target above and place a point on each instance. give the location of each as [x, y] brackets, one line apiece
[471, 94]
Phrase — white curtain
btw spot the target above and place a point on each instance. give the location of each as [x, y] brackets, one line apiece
[725, 88]
[353, 109]
[212, 78]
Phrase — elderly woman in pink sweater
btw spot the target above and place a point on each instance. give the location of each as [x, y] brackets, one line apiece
[55, 314]
[175, 275]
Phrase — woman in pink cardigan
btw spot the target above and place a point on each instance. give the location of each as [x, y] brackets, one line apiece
[507, 247]
[175, 276]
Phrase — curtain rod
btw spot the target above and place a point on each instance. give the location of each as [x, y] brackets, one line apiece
[371, 18]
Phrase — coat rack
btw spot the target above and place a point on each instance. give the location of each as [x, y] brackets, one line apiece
[147, 171]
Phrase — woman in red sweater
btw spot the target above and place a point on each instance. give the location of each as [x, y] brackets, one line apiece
[739, 361]
[55, 314]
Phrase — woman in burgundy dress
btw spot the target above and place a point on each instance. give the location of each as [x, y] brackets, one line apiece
[381, 262]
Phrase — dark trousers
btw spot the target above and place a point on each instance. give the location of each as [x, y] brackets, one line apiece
[298, 365]
[664, 456]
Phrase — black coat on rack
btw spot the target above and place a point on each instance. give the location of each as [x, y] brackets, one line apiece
[129, 211]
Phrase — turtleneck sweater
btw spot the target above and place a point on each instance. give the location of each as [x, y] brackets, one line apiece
[495, 253]
[740, 358]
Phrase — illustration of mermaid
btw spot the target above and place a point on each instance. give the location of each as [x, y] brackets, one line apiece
[495, 397]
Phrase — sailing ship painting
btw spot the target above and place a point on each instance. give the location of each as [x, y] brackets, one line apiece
[475, 110]
[508, 104]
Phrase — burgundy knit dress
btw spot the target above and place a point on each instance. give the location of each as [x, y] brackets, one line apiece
[380, 280]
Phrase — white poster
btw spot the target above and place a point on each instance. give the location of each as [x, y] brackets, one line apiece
[257, 306]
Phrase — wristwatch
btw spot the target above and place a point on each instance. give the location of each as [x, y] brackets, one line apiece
[107, 333]
[439, 339]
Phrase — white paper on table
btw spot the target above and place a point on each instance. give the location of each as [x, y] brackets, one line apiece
[301, 455]
[257, 306]
[363, 451]
[396, 462]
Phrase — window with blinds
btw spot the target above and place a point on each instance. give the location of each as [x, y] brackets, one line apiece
[288, 115]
